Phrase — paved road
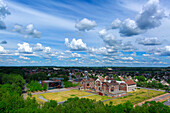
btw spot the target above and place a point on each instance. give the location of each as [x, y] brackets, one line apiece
[167, 102]
[42, 98]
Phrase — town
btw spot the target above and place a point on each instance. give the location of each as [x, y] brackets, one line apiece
[99, 83]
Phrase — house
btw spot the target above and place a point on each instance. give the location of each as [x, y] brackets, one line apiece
[131, 85]
[104, 86]
[163, 82]
[53, 83]
[148, 81]
[121, 78]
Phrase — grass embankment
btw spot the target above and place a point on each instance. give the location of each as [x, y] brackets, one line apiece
[40, 101]
[137, 96]
[64, 95]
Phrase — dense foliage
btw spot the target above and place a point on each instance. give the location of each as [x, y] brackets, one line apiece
[36, 86]
[70, 84]
[11, 100]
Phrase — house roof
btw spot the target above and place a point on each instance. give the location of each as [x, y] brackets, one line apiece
[129, 82]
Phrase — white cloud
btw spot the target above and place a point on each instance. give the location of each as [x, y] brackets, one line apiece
[129, 28]
[38, 47]
[76, 45]
[133, 54]
[3, 13]
[127, 47]
[146, 55]
[149, 41]
[25, 58]
[25, 48]
[18, 28]
[2, 50]
[165, 51]
[30, 30]
[47, 50]
[75, 55]
[85, 25]
[109, 38]
[116, 24]
[127, 58]
[150, 16]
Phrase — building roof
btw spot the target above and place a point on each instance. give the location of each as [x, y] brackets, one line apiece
[129, 82]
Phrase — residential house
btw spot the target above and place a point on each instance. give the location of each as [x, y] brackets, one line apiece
[131, 85]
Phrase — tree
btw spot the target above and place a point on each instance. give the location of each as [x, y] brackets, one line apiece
[45, 86]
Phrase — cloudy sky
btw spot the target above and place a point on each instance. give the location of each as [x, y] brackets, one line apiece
[85, 33]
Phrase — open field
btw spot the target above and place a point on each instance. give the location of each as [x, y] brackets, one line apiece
[136, 97]
[64, 95]
[98, 97]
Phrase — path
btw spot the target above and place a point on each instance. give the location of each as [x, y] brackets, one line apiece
[158, 98]
[42, 98]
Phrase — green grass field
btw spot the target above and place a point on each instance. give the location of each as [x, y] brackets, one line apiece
[136, 97]
[98, 97]
[64, 95]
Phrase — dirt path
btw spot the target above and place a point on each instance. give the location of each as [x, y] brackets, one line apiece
[158, 98]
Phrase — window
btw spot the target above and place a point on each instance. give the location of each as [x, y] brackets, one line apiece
[112, 89]
[88, 84]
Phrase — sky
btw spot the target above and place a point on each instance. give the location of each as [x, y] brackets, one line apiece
[132, 33]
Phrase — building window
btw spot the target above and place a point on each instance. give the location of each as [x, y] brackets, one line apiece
[112, 89]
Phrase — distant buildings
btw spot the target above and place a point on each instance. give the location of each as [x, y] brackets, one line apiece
[108, 86]
[53, 83]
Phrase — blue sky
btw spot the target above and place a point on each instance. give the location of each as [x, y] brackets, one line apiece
[85, 33]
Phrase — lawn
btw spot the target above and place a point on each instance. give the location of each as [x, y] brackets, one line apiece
[98, 97]
[136, 96]
[64, 95]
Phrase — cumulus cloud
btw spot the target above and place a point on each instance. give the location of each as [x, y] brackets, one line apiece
[128, 47]
[3, 42]
[28, 31]
[25, 58]
[85, 25]
[109, 38]
[38, 47]
[76, 45]
[18, 28]
[127, 58]
[76, 55]
[149, 41]
[2, 50]
[25, 48]
[129, 28]
[165, 51]
[3, 13]
[116, 24]
[150, 16]
[146, 55]
[47, 50]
